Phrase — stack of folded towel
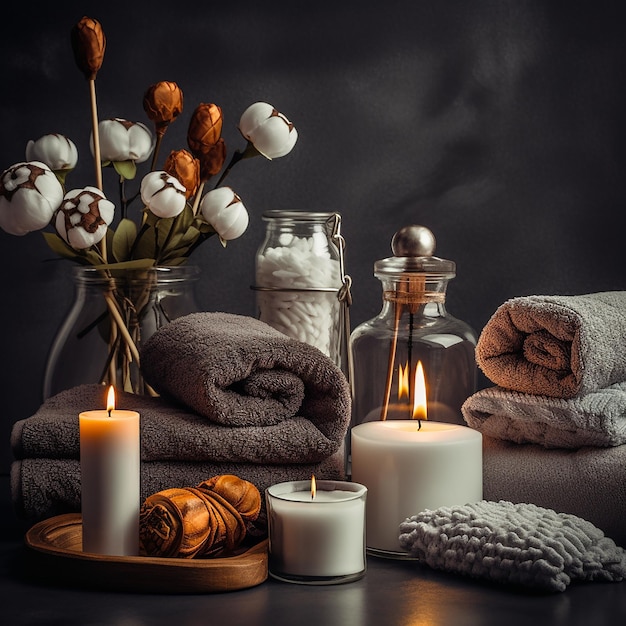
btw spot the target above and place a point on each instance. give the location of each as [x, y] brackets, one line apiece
[554, 423]
[235, 397]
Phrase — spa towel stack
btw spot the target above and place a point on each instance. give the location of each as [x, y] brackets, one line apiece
[554, 423]
[235, 397]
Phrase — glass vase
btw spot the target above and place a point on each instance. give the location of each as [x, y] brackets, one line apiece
[113, 312]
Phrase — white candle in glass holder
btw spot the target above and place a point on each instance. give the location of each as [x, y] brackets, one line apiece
[320, 538]
[110, 480]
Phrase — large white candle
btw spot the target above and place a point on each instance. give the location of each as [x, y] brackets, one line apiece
[320, 539]
[110, 481]
[407, 468]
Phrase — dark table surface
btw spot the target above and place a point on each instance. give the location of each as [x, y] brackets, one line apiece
[392, 592]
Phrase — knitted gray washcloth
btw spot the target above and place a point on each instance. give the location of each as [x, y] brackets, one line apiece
[517, 544]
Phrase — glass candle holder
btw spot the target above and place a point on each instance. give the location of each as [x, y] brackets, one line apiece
[316, 534]
[413, 337]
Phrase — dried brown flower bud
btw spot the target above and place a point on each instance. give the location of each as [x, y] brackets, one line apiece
[205, 128]
[186, 168]
[88, 44]
[212, 161]
[163, 103]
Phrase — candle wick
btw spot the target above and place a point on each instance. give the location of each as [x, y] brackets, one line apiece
[419, 424]
[110, 412]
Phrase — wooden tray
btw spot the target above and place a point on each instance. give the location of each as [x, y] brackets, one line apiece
[56, 548]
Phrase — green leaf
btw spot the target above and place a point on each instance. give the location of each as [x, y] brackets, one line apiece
[191, 234]
[126, 169]
[57, 244]
[146, 245]
[203, 226]
[123, 239]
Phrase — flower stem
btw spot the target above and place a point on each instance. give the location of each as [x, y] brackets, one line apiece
[196, 200]
[157, 147]
[110, 300]
[249, 152]
[96, 150]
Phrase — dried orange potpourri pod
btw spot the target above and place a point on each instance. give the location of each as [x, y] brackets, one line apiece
[88, 44]
[186, 168]
[163, 103]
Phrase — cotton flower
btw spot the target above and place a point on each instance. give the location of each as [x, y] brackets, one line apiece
[163, 194]
[55, 150]
[271, 133]
[223, 209]
[83, 217]
[121, 140]
[30, 193]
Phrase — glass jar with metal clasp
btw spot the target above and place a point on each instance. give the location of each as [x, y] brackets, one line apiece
[301, 286]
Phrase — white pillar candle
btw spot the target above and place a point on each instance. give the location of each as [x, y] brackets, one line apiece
[110, 481]
[316, 540]
[408, 469]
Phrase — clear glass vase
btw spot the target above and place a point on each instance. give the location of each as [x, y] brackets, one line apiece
[113, 312]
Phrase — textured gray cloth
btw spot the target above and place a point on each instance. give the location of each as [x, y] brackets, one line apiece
[518, 544]
[237, 371]
[560, 346]
[42, 488]
[595, 419]
[170, 431]
[589, 482]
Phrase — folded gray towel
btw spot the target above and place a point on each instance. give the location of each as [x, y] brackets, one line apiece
[42, 488]
[517, 544]
[239, 371]
[595, 419]
[589, 482]
[559, 346]
[169, 431]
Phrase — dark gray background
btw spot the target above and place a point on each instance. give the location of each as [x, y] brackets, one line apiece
[499, 124]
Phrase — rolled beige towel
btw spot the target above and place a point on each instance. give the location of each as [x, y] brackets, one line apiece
[559, 346]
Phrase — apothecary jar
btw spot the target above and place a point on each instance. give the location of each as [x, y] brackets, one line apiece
[414, 352]
[299, 277]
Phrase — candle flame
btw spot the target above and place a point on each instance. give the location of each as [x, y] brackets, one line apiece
[419, 401]
[403, 381]
[313, 487]
[111, 400]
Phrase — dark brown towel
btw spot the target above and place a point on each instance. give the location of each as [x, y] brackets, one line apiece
[41, 488]
[239, 371]
[172, 432]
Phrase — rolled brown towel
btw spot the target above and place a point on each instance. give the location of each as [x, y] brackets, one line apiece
[559, 346]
